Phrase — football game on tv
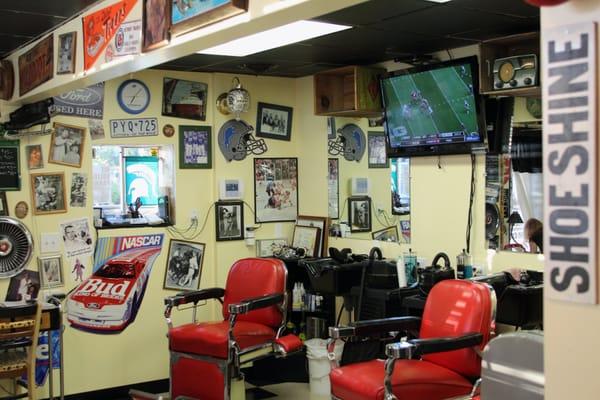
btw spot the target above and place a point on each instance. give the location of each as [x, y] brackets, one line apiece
[429, 110]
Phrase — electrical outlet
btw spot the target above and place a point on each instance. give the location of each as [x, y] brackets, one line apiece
[49, 243]
[194, 215]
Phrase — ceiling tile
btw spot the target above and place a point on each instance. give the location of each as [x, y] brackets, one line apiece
[62, 8]
[514, 8]
[374, 11]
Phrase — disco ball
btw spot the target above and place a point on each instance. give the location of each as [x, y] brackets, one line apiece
[238, 99]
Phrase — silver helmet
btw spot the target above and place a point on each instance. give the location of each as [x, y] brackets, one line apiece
[350, 142]
[236, 140]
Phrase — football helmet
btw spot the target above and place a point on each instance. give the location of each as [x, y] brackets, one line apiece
[236, 140]
[350, 142]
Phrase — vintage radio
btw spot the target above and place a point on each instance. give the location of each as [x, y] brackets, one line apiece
[516, 72]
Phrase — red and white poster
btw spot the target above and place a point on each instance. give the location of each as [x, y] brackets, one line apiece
[100, 27]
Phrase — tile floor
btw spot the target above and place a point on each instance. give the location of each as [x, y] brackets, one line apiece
[292, 391]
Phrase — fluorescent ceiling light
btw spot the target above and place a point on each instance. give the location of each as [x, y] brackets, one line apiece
[439, 1]
[273, 38]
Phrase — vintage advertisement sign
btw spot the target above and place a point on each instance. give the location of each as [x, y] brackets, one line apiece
[570, 156]
[127, 40]
[100, 27]
[87, 102]
[133, 127]
[37, 65]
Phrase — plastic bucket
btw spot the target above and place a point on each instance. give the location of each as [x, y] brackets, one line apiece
[318, 364]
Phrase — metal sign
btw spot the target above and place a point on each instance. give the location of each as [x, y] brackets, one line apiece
[87, 102]
[36, 66]
[570, 156]
[133, 127]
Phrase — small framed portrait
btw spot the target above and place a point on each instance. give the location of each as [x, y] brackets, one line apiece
[377, 154]
[269, 247]
[51, 272]
[67, 45]
[184, 265]
[78, 190]
[3, 205]
[48, 193]
[331, 133]
[333, 188]
[23, 286]
[66, 145]
[157, 24]
[35, 158]
[229, 217]
[184, 99]
[389, 234]
[307, 238]
[274, 121]
[359, 213]
[195, 146]
[318, 222]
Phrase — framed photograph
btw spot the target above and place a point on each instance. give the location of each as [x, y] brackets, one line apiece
[184, 265]
[359, 214]
[48, 194]
[190, 15]
[194, 146]
[66, 145]
[51, 272]
[184, 99]
[229, 217]
[273, 121]
[331, 133]
[318, 222]
[307, 237]
[156, 24]
[377, 155]
[67, 45]
[35, 158]
[333, 188]
[268, 247]
[23, 286]
[405, 228]
[389, 234]
[275, 189]
[78, 190]
[3, 205]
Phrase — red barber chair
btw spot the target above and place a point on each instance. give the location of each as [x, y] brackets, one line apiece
[206, 357]
[443, 362]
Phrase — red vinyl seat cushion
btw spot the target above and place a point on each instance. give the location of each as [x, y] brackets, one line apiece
[210, 338]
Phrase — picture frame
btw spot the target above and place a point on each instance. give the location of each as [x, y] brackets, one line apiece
[184, 99]
[267, 247]
[229, 220]
[156, 24]
[66, 145]
[274, 121]
[184, 265]
[48, 193]
[23, 286]
[275, 189]
[198, 15]
[331, 133]
[51, 272]
[67, 53]
[376, 150]
[3, 205]
[389, 234]
[306, 237]
[359, 213]
[195, 147]
[319, 222]
[35, 157]
[333, 188]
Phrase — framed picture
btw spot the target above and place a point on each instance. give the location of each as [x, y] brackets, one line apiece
[184, 99]
[3, 205]
[23, 286]
[229, 217]
[275, 189]
[78, 190]
[273, 121]
[66, 145]
[331, 133]
[67, 46]
[377, 155]
[35, 158]
[51, 272]
[268, 247]
[156, 24]
[307, 237]
[194, 146]
[359, 214]
[389, 234]
[318, 222]
[184, 265]
[333, 188]
[405, 228]
[189, 15]
[48, 193]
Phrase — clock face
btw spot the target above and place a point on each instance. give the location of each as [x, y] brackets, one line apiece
[133, 96]
[507, 72]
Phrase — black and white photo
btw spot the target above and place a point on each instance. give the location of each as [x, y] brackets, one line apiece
[67, 45]
[66, 145]
[274, 121]
[377, 155]
[48, 193]
[76, 237]
[51, 274]
[359, 214]
[184, 265]
[229, 220]
[96, 129]
[78, 189]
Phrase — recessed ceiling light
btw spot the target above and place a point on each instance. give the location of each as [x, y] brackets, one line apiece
[439, 1]
[273, 38]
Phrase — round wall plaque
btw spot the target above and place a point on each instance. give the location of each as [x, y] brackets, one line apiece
[21, 209]
[168, 130]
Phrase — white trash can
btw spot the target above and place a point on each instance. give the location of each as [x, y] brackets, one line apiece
[318, 364]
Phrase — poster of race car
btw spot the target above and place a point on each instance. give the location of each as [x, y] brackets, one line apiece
[275, 189]
[109, 300]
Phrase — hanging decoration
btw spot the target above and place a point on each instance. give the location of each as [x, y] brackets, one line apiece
[236, 140]
[238, 99]
[350, 142]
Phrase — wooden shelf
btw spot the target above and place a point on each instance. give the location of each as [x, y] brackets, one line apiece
[533, 91]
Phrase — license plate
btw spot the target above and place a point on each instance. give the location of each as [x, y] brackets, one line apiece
[133, 127]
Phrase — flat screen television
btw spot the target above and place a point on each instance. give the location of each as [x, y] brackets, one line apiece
[433, 109]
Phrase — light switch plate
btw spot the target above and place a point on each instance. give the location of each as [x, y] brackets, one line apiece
[49, 243]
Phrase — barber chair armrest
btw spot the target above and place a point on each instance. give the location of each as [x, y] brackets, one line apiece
[194, 297]
[415, 348]
[248, 305]
[369, 327]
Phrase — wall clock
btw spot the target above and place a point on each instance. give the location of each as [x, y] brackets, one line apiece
[133, 96]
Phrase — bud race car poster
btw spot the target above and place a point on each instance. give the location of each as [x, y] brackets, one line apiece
[109, 299]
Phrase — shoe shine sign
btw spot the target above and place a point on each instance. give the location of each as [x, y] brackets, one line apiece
[570, 157]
